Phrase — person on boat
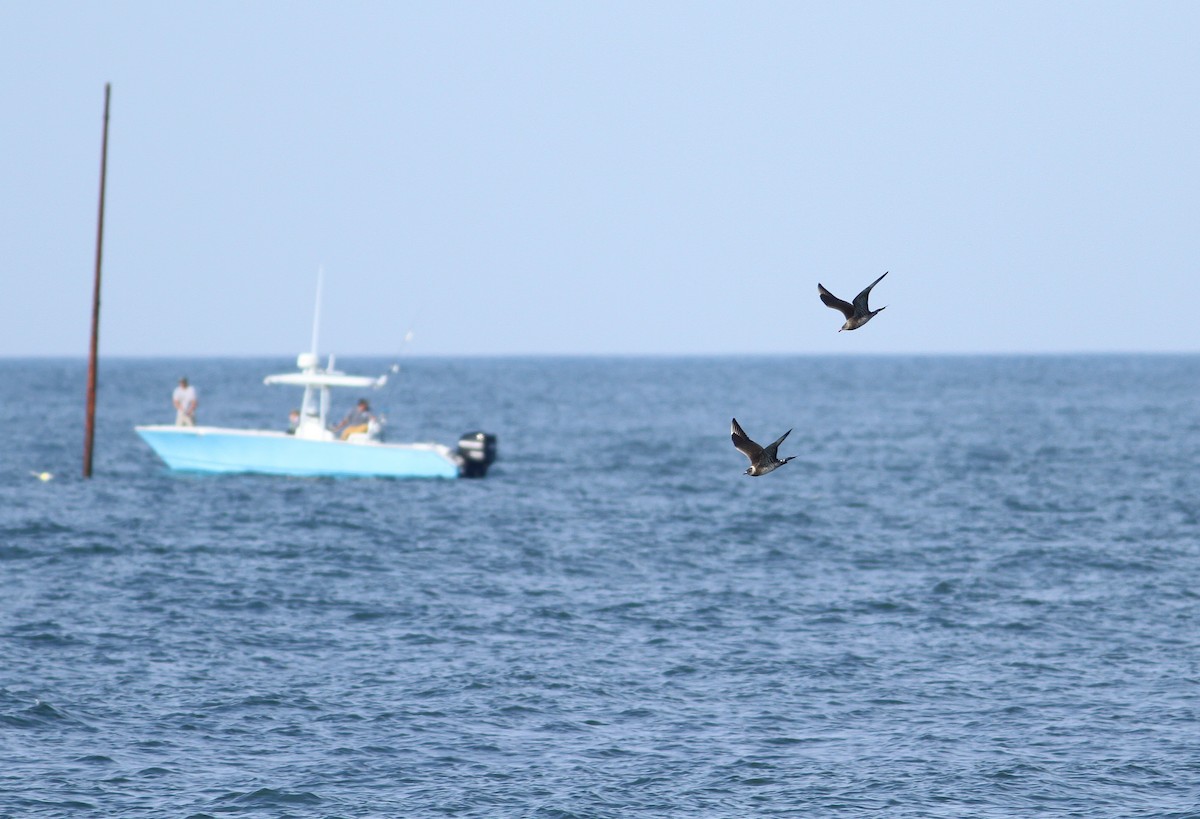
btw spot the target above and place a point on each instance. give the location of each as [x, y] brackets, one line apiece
[293, 421]
[185, 401]
[356, 421]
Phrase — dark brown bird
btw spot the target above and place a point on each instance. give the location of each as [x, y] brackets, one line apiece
[858, 313]
[762, 459]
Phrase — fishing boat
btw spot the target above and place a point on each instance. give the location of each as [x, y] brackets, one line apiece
[311, 447]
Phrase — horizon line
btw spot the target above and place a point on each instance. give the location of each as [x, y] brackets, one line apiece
[629, 355]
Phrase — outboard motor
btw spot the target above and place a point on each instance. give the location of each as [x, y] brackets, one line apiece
[477, 451]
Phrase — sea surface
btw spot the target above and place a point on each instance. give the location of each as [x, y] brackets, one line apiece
[974, 593]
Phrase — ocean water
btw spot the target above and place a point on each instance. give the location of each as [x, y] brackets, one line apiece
[974, 592]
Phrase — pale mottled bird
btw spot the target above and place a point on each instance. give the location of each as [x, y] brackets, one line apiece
[762, 459]
[858, 313]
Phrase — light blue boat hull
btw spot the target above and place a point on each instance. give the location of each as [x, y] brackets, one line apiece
[213, 449]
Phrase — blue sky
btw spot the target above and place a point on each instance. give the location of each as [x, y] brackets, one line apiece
[660, 178]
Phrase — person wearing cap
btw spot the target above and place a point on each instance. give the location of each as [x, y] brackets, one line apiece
[356, 421]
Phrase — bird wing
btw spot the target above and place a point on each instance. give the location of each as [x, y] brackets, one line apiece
[743, 443]
[774, 448]
[860, 301]
[833, 301]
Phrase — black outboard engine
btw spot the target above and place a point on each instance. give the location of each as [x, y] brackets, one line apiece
[477, 451]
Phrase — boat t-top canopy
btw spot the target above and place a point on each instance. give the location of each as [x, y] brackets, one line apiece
[325, 379]
[311, 375]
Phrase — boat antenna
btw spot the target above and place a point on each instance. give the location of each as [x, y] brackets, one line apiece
[317, 308]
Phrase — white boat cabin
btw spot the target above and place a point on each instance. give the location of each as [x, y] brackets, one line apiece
[314, 407]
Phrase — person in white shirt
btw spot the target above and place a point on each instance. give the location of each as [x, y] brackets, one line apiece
[184, 399]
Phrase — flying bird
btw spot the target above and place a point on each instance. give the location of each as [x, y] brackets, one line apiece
[858, 313]
[762, 459]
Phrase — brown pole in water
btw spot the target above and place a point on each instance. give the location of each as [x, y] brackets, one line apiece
[89, 434]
